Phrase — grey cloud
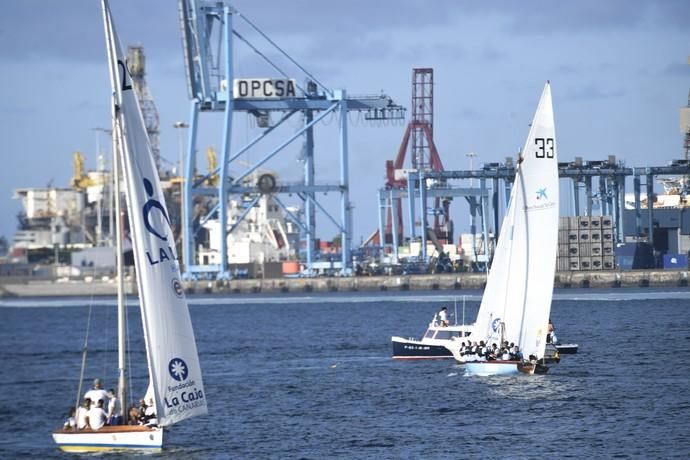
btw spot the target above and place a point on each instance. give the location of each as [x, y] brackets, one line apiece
[591, 91]
[676, 69]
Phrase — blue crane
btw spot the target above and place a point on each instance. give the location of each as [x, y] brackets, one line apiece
[208, 37]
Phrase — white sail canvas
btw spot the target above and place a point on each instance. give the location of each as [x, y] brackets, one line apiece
[519, 288]
[541, 201]
[171, 348]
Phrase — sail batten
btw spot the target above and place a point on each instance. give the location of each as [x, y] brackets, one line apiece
[172, 355]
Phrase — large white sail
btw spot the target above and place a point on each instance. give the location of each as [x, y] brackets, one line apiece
[171, 348]
[517, 298]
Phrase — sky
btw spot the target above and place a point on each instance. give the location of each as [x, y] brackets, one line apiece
[618, 69]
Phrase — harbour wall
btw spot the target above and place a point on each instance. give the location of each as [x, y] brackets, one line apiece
[441, 282]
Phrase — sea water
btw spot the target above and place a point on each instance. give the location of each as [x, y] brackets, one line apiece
[311, 376]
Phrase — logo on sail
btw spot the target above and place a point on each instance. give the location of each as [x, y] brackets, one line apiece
[177, 288]
[495, 324]
[543, 201]
[149, 206]
[178, 369]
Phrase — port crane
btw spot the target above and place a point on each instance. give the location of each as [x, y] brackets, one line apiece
[208, 34]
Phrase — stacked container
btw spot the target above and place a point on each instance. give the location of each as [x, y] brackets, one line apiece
[585, 243]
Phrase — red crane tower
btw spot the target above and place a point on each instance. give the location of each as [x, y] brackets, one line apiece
[423, 156]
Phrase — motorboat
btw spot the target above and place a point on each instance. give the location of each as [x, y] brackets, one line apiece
[432, 345]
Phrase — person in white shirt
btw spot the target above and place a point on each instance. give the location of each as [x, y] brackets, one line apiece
[114, 409]
[81, 414]
[443, 316]
[71, 422]
[96, 416]
[97, 393]
[150, 413]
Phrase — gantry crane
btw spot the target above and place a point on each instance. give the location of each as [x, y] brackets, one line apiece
[418, 139]
[208, 35]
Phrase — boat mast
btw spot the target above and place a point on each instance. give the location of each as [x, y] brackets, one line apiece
[121, 325]
[117, 145]
[524, 292]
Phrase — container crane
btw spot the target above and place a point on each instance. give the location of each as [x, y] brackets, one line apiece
[208, 36]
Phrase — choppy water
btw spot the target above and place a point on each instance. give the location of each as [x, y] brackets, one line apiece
[311, 377]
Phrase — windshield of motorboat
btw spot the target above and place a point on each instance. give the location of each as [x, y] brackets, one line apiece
[446, 335]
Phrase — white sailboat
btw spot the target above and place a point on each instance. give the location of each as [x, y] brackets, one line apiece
[175, 384]
[517, 298]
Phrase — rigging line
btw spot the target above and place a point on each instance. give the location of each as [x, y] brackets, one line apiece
[84, 351]
[86, 341]
[280, 71]
[284, 53]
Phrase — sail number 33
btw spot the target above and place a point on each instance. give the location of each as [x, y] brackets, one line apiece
[544, 147]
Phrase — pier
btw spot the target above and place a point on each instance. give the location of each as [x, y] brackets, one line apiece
[440, 282]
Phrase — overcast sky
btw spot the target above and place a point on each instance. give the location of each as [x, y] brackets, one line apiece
[618, 70]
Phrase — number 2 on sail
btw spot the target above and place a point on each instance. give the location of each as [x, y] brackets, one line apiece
[544, 147]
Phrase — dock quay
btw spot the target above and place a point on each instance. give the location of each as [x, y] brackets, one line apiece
[441, 282]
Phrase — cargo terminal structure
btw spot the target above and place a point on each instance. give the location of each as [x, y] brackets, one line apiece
[245, 214]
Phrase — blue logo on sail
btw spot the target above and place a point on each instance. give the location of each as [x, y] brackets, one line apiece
[495, 323]
[541, 193]
[178, 369]
[148, 207]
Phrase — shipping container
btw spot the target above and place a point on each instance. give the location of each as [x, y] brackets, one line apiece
[574, 250]
[625, 262]
[595, 236]
[563, 264]
[574, 263]
[564, 223]
[563, 236]
[583, 236]
[676, 261]
[595, 223]
[583, 223]
[641, 254]
[596, 250]
[585, 263]
[596, 263]
[585, 249]
[608, 262]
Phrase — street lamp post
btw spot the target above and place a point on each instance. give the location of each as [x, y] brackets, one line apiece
[473, 228]
[180, 126]
[471, 156]
[99, 208]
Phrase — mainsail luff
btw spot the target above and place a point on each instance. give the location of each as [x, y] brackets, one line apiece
[171, 348]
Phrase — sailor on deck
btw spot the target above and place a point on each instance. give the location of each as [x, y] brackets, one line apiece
[96, 416]
[443, 317]
[97, 393]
